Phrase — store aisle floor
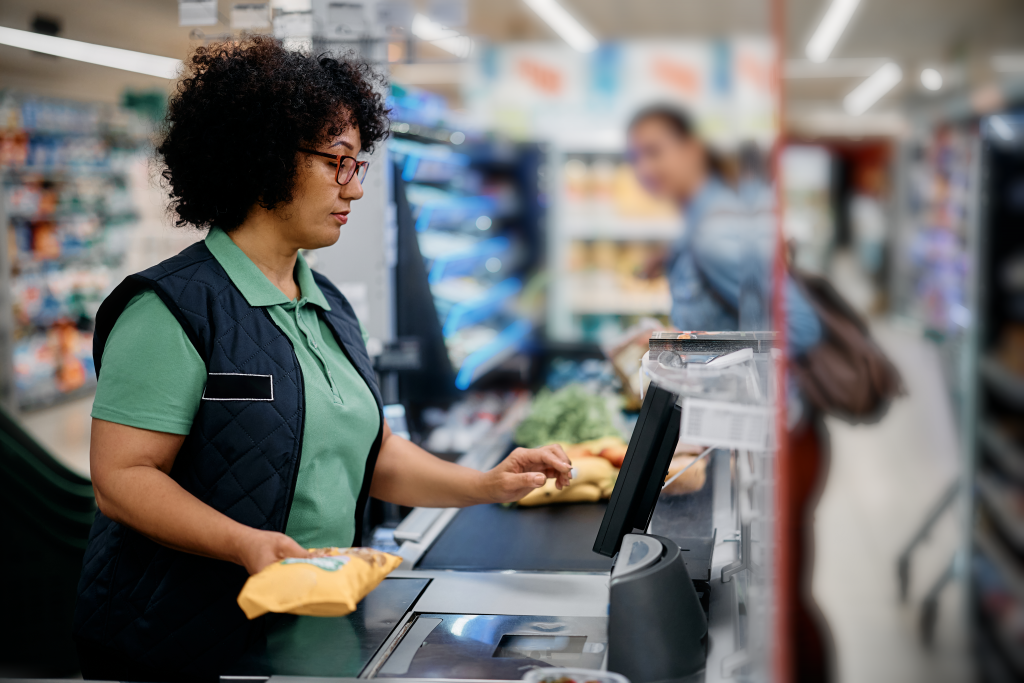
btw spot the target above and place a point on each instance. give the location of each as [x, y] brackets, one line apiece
[63, 430]
[883, 480]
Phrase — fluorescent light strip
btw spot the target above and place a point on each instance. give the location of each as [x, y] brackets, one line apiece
[831, 27]
[127, 60]
[872, 89]
[447, 39]
[564, 24]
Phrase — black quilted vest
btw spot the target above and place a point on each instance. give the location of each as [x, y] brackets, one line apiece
[171, 611]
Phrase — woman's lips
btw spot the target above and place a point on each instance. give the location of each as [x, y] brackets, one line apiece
[342, 218]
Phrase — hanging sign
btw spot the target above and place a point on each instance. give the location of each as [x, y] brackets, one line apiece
[250, 15]
[197, 12]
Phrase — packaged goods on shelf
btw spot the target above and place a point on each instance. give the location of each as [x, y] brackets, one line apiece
[68, 208]
[610, 235]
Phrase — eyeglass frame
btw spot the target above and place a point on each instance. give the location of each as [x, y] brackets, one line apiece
[338, 158]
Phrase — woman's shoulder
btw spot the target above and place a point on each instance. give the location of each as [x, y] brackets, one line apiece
[146, 319]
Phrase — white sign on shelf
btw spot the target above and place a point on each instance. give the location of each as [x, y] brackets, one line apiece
[197, 12]
[250, 15]
[298, 25]
[726, 425]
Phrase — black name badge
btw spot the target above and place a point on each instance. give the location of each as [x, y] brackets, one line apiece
[235, 386]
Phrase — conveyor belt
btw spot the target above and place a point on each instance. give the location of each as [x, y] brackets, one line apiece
[495, 538]
[561, 537]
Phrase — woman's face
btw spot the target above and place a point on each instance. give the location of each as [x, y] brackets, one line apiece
[668, 165]
[320, 206]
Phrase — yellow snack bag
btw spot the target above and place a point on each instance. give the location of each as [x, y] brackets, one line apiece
[330, 584]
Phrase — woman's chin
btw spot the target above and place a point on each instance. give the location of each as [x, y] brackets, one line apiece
[324, 236]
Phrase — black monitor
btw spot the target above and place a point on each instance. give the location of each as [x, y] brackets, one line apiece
[643, 470]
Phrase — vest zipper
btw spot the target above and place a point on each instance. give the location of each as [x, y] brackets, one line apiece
[302, 425]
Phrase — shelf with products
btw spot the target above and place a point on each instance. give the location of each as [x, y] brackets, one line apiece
[1005, 504]
[67, 212]
[473, 214]
[997, 542]
[607, 241]
[1003, 450]
[999, 587]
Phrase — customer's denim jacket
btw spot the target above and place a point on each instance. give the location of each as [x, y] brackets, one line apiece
[720, 269]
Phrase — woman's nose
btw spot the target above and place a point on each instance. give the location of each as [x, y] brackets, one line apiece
[353, 189]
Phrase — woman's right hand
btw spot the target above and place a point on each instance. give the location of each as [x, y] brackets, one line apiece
[258, 549]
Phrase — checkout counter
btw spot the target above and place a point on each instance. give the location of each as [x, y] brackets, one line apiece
[490, 592]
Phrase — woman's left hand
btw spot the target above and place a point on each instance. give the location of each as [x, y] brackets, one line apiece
[524, 470]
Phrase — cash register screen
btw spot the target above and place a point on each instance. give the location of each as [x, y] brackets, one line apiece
[538, 647]
[643, 470]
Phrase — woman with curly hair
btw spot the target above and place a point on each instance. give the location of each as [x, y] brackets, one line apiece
[237, 420]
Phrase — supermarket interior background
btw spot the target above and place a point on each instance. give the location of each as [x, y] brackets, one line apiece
[504, 246]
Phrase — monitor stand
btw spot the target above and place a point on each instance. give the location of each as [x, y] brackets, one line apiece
[656, 623]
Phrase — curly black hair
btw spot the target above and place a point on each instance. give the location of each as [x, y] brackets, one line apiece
[239, 113]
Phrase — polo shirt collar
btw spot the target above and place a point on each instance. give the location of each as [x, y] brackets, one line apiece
[250, 280]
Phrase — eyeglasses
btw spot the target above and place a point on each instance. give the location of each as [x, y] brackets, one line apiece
[347, 166]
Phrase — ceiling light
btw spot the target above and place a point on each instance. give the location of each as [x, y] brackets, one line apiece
[445, 38]
[872, 89]
[1001, 128]
[831, 27]
[931, 79]
[564, 24]
[128, 60]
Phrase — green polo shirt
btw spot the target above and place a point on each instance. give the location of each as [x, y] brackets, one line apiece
[153, 378]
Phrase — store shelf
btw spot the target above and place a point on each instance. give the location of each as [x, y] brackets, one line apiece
[999, 657]
[483, 360]
[607, 226]
[998, 498]
[1007, 384]
[1002, 450]
[481, 308]
[600, 294]
[996, 551]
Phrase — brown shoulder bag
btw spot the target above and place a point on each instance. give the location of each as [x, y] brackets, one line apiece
[846, 374]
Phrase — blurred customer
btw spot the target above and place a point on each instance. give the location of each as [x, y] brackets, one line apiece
[720, 277]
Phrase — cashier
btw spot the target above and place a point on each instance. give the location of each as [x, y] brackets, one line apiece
[237, 420]
[719, 271]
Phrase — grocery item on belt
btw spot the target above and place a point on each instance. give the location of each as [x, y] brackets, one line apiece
[691, 480]
[570, 415]
[330, 584]
[594, 480]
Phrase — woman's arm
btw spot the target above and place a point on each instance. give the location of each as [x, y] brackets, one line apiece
[408, 475]
[130, 475]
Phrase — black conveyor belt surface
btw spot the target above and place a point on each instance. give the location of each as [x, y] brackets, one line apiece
[494, 538]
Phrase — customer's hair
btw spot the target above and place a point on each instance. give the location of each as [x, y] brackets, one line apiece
[239, 113]
[677, 118]
[681, 123]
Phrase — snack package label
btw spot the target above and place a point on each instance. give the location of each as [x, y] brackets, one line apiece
[331, 564]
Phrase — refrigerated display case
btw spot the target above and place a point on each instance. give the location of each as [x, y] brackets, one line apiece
[468, 219]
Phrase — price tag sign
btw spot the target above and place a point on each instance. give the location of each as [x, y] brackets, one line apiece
[726, 425]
